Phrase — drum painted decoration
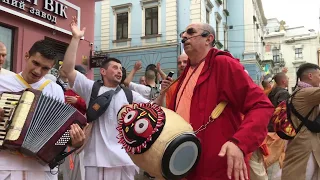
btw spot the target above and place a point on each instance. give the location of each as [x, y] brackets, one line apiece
[158, 140]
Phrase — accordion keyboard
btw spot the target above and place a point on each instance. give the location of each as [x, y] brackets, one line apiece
[8, 102]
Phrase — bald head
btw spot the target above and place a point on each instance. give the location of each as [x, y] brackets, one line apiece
[3, 54]
[209, 28]
[142, 80]
[281, 79]
[2, 44]
[182, 62]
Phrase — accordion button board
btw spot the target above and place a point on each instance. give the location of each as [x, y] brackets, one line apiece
[8, 102]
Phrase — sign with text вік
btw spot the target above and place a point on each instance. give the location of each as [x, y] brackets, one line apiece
[55, 14]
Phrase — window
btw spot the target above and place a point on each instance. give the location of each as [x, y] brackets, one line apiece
[225, 38]
[151, 23]
[209, 7]
[298, 53]
[224, 4]
[218, 20]
[276, 55]
[60, 48]
[217, 30]
[122, 26]
[207, 16]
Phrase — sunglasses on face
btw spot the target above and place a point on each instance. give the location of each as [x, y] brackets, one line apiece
[189, 31]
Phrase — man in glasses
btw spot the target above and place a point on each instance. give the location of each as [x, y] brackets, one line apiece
[213, 76]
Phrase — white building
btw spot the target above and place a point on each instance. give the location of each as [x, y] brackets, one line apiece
[290, 47]
[246, 30]
[149, 30]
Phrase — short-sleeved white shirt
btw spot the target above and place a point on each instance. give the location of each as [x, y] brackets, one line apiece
[8, 161]
[103, 149]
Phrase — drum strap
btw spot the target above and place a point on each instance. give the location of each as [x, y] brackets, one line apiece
[26, 85]
[214, 115]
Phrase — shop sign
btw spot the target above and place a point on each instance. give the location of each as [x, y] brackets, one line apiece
[48, 10]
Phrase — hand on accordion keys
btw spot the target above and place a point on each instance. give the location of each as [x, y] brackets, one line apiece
[77, 135]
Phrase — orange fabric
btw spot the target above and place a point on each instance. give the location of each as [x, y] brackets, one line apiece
[71, 163]
[276, 146]
[170, 93]
[267, 91]
[183, 101]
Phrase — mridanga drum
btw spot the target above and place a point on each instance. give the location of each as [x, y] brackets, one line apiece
[158, 140]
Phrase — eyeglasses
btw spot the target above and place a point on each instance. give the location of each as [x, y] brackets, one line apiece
[189, 31]
[192, 31]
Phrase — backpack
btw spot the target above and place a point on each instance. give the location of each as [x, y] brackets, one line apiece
[99, 104]
[154, 93]
[276, 103]
[281, 120]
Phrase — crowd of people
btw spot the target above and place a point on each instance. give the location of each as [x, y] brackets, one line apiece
[240, 144]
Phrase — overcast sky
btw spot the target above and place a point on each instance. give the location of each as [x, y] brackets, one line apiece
[294, 12]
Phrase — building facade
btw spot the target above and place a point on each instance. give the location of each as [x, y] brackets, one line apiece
[22, 23]
[246, 25]
[149, 30]
[290, 47]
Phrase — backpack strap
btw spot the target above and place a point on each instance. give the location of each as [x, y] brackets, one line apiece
[60, 84]
[129, 94]
[97, 85]
[290, 108]
[95, 90]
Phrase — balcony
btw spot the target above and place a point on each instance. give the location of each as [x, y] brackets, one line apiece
[279, 62]
[219, 44]
[219, 2]
[226, 12]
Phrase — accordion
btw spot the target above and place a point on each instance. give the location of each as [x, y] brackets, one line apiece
[37, 125]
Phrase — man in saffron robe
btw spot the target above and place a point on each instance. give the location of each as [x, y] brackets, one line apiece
[213, 76]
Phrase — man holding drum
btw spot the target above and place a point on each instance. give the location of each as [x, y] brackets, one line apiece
[213, 76]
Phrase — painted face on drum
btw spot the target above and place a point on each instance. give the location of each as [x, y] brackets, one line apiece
[139, 125]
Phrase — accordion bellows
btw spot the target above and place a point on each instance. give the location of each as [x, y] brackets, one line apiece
[37, 125]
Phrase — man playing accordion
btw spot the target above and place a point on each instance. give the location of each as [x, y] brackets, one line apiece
[39, 60]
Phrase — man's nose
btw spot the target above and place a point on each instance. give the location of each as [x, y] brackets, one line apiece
[38, 70]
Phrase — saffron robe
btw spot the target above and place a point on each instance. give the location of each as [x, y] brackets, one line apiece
[223, 79]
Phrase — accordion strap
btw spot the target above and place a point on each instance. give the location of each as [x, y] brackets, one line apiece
[27, 85]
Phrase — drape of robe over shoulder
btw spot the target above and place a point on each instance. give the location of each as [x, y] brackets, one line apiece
[223, 79]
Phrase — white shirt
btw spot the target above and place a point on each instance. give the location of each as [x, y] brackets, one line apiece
[141, 89]
[103, 149]
[6, 72]
[9, 83]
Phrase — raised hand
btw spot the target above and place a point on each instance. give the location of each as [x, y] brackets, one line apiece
[76, 32]
[137, 65]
